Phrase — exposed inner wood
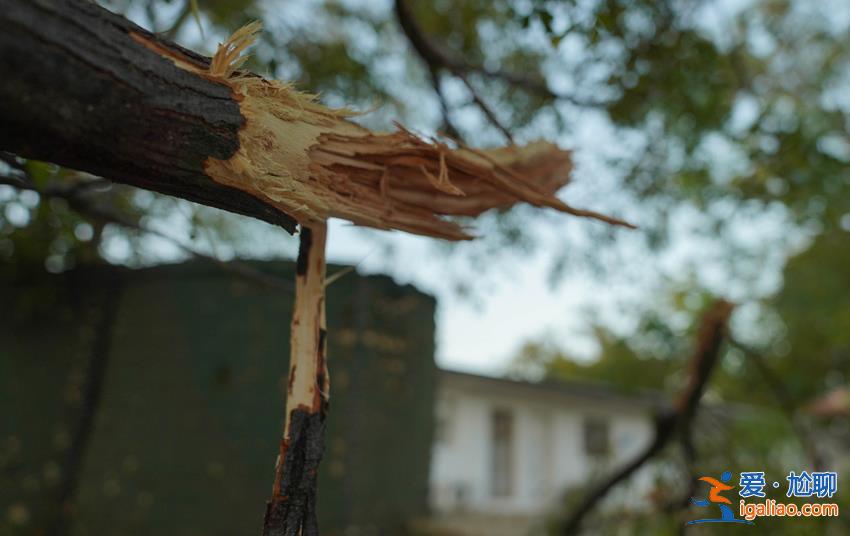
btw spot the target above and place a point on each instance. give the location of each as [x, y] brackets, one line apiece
[313, 162]
[292, 508]
[308, 378]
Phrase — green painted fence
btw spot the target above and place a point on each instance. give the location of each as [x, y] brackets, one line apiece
[154, 399]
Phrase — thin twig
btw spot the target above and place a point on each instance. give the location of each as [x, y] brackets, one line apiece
[338, 274]
[435, 59]
[75, 196]
[485, 108]
[449, 126]
[171, 33]
[235, 267]
[11, 160]
[17, 182]
[434, 55]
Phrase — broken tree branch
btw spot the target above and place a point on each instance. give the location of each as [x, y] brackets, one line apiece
[87, 89]
[314, 162]
[676, 418]
[292, 508]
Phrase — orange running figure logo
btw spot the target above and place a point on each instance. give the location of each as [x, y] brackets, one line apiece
[715, 497]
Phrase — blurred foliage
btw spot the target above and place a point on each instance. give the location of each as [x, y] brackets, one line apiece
[803, 336]
[618, 364]
[813, 307]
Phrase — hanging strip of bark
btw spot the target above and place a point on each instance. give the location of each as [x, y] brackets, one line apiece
[292, 508]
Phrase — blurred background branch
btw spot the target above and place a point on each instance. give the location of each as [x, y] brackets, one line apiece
[674, 420]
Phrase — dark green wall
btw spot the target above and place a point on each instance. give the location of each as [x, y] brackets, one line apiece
[194, 360]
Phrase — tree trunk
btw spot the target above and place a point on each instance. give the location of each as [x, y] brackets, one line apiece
[85, 88]
[292, 508]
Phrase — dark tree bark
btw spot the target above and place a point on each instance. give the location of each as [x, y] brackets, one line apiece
[84, 88]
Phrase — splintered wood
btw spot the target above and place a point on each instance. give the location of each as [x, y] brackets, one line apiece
[312, 162]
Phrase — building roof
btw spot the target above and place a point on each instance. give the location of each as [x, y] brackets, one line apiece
[594, 391]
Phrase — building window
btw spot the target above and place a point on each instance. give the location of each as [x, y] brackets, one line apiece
[502, 426]
[443, 424]
[597, 440]
[441, 430]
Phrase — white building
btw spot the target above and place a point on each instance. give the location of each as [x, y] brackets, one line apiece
[508, 449]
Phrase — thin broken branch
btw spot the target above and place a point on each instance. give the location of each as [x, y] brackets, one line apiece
[292, 508]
